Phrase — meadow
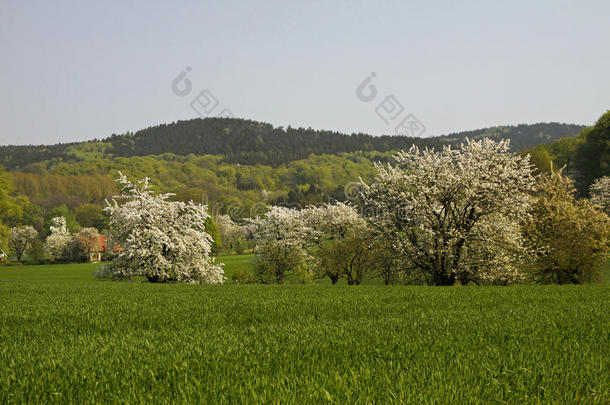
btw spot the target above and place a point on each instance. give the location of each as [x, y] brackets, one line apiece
[66, 337]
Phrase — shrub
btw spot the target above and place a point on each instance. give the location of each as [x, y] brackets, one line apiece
[244, 275]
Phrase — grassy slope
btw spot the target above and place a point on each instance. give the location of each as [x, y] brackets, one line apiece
[68, 337]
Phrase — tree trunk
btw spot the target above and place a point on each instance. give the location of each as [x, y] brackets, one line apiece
[334, 279]
[440, 278]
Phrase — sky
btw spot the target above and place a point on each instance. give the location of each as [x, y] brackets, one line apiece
[79, 70]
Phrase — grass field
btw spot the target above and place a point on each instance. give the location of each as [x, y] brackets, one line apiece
[67, 337]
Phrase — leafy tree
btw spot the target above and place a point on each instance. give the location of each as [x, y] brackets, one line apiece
[348, 257]
[541, 159]
[441, 208]
[211, 227]
[344, 242]
[32, 215]
[592, 158]
[37, 251]
[21, 239]
[164, 241]
[9, 208]
[61, 211]
[384, 259]
[91, 216]
[571, 236]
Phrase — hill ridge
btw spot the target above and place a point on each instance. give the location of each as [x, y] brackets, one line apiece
[252, 142]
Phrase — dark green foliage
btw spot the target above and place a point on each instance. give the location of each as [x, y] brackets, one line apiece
[36, 253]
[592, 157]
[250, 142]
[91, 216]
[275, 263]
[586, 157]
[68, 338]
[348, 258]
[61, 211]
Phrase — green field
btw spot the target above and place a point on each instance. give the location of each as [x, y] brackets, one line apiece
[67, 337]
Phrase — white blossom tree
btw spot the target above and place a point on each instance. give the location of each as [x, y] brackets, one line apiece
[21, 239]
[454, 213]
[58, 241]
[164, 241]
[600, 193]
[282, 236]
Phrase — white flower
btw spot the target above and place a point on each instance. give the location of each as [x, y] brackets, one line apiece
[600, 193]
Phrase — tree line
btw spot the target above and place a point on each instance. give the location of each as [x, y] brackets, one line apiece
[251, 143]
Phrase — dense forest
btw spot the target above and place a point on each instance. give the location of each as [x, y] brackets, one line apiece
[250, 143]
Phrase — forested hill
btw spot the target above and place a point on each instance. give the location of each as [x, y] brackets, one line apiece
[251, 142]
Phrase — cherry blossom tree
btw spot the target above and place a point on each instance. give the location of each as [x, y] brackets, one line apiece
[453, 214]
[600, 193]
[164, 241]
[58, 241]
[21, 239]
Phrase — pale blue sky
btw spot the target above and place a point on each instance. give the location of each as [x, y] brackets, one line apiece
[76, 70]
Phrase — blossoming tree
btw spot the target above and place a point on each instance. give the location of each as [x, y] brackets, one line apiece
[453, 214]
[21, 239]
[600, 193]
[89, 241]
[58, 241]
[282, 236]
[164, 241]
[233, 235]
[344, 244]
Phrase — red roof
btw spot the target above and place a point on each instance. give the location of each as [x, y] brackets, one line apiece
[104, 244]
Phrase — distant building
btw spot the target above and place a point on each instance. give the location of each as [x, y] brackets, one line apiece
[103, 248]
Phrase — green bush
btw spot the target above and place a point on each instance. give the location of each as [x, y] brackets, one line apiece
[243, 275]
